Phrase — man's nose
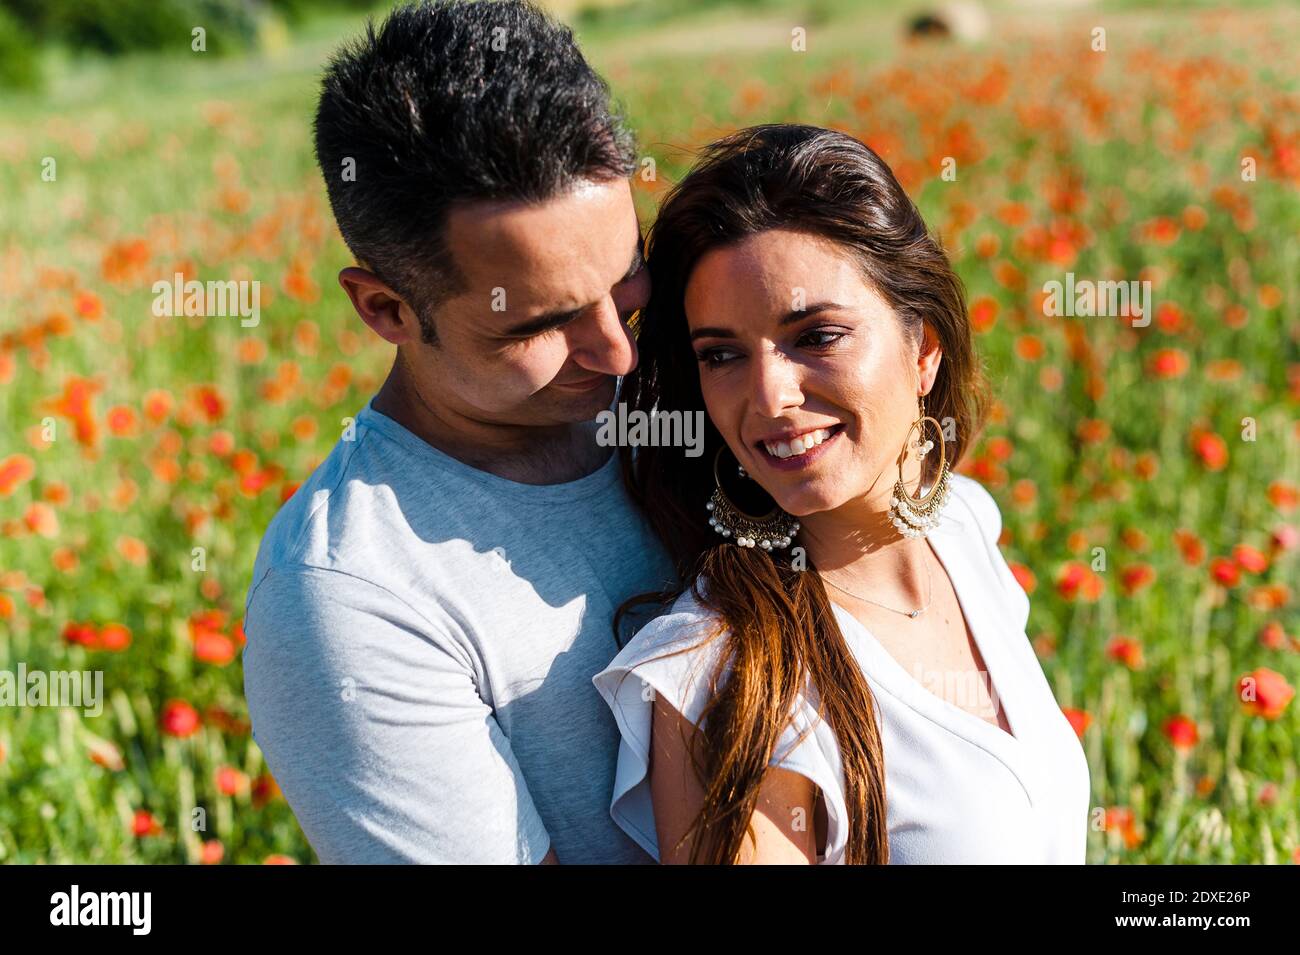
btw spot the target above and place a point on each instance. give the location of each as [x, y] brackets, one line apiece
[604, 343]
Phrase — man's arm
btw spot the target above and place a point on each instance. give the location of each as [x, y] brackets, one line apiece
[371, 723]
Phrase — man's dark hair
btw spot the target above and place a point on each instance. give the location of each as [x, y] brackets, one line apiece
[452, 102]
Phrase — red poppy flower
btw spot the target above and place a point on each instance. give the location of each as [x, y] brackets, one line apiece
[121, 421]
[1190, 546]
[1225, 572]
[84, 634]
[1181, 731]
[983, 314]
[157, 406]
[207, 621]
[1168, 363]
[88, 306]
[114, 637]
[265, 788]
[1211, 449]
[1284, 495]
[1136, 577]
[215, 648]
[1272, 635]
[144, 824]
[180, 719]
[15, 470]
[1024, 577]
[1126, 650]
[1249, 559]
[1078, 581]
[230, 781]
[1264, 692]
[1079, 720]
[1121, 819]
[1284, 537]
[209, 402]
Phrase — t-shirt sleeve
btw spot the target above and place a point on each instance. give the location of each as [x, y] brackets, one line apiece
[672, 657]
[370, 721]
[989, 519]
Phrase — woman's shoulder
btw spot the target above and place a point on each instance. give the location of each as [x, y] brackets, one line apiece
[677, 653]
[688, 620]
[978, 504]
[679, 658]
[984, 511]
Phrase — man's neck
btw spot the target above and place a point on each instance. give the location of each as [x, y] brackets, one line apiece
[526, 454]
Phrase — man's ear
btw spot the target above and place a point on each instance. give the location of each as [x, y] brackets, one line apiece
[380, 307]
[927, 363]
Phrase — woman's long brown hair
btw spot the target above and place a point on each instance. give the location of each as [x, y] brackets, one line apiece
[777, 620]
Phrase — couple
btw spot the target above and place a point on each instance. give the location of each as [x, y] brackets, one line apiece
[453, 649]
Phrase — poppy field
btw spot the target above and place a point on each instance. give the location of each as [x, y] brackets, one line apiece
[1147, 465]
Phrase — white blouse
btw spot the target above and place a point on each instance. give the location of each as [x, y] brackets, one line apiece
[958, 789]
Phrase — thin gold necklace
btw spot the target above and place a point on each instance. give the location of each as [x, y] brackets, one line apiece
[907, 613]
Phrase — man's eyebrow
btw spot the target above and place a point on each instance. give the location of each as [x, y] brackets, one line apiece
[555, 319]
[716, 331]
[534, 325]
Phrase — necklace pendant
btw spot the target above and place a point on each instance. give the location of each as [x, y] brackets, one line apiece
[914, 614]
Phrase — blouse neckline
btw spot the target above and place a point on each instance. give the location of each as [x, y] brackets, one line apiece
[953, 542]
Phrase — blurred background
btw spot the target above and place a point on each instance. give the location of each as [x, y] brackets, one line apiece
[1148, 474]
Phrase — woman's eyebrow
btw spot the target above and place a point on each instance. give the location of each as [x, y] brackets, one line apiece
[716, 331]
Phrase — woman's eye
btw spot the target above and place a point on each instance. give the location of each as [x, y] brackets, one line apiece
[713, 357]
[820, 338]
[817, 338]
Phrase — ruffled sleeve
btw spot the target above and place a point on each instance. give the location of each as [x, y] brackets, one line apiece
[673, 656]
[984, 509]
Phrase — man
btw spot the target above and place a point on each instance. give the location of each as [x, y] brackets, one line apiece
[427, 611]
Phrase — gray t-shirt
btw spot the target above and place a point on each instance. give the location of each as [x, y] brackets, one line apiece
[421, 641]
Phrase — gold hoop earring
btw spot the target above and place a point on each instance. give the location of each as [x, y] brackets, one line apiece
[772, 531]
[916, 517]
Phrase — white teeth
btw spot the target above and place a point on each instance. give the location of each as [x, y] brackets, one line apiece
[800, 445]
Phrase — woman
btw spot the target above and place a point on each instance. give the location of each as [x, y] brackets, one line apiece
[787, 709]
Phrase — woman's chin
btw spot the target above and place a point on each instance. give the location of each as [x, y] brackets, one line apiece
[807, 502]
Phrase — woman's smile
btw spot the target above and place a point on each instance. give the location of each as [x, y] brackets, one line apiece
[795, 450]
